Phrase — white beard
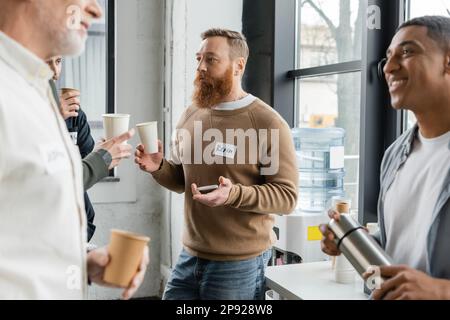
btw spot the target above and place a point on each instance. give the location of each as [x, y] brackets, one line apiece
[71, 43]
[62, 40]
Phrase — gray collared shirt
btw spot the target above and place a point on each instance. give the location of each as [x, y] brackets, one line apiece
[438, 238]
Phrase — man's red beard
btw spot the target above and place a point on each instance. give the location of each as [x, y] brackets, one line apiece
[209, 92]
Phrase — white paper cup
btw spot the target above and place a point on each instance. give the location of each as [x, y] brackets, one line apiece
[148, 132]
[115, 124]
[344, 271]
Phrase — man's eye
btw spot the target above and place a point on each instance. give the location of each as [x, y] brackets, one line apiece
[406, 51]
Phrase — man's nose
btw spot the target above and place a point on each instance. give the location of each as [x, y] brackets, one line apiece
[201, 67]
[391, 65]
[94, 10]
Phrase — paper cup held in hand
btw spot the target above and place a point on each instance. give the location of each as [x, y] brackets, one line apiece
[148, 132]
[115, 124]
[125, 253]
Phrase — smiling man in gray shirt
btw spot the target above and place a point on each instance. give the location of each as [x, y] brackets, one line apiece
[414, 202]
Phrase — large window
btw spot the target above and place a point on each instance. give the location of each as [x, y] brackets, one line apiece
[93, 72]
[331, 79]
[328, 75]
[329, 32]
[417, 8]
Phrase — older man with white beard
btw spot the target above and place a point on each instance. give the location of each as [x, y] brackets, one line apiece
[42, 218]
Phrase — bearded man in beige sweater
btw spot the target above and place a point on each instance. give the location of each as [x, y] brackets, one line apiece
[230, 138]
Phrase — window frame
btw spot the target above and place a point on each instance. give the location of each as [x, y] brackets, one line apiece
[110, 75]
[379, 126]
[298, 74]
[111, 56]
[110, 71]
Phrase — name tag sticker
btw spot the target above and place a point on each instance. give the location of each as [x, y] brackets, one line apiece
[74, 137]
[54, 158]
[225, 150]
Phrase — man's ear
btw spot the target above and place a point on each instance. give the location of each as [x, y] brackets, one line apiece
[240, 66]
[447, 62]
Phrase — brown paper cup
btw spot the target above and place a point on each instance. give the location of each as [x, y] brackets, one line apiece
[125, 252]
[343, 207]
[66, 90]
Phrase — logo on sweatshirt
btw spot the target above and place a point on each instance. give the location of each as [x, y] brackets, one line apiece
[259, 147]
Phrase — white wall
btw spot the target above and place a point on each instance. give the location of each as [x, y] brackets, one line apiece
[144, 29]
[185, 21]
[136, 203]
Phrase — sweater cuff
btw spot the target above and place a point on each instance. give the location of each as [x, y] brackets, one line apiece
[233, 196]
[101, 160]
[162, 169]
[106, 157]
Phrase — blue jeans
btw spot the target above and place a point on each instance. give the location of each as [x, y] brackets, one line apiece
[198, 279]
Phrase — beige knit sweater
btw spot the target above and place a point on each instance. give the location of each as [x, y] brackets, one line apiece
[260, 161]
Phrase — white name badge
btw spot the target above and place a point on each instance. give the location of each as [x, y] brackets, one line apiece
[225, 150]
[55, 158]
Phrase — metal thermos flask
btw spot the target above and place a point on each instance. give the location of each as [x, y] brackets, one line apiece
[361, 250]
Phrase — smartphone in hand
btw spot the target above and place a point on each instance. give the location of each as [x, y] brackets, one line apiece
[207, 189]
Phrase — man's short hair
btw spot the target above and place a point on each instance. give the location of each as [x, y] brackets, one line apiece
[438, 28]
[236, 41]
